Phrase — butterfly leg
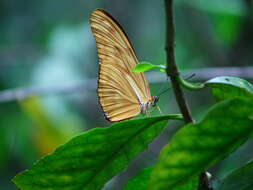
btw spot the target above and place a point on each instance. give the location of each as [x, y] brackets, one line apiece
[159, 110]
[148, 113]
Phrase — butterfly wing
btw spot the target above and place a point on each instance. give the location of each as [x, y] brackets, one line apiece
[120, 90]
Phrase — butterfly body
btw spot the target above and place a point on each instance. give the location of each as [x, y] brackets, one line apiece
[122, 93]
[151, 103]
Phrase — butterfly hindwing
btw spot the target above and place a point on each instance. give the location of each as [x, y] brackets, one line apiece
[119, 89]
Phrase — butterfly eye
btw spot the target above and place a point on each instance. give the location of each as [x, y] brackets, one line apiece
[155, 100]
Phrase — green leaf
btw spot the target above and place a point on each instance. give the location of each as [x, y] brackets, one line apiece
[196, 147]
[240, 179]
[89, 160]
[230, 87]
[191, 184]
[140, 181]
[50, 133]
[145, 66]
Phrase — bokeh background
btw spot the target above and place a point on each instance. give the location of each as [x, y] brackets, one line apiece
[47, 49]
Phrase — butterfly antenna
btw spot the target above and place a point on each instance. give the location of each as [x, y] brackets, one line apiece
[191, 76]
[161, 88]
[162, 92]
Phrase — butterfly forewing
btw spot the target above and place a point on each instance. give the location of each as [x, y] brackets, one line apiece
[120, 90]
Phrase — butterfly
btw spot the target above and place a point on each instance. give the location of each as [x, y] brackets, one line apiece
[122, 93]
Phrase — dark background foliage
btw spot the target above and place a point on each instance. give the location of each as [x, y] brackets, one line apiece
[49, 44]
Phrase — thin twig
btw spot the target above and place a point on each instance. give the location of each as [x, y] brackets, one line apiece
[90, 85]
[171, 69]
[204, 74]
[26, 92]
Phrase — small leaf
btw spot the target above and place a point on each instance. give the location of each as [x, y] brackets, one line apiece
[240, 179]
[91, 159]
[230, 87]
[140, 181]
[145, 66]
[196, 147]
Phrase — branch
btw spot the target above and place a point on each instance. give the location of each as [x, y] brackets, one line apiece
[26, 92]
[90, 85]
[171, 69]
[173, 73]
[204, 74]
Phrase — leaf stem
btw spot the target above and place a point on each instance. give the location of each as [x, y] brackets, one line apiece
[190, 85]
[176, 116]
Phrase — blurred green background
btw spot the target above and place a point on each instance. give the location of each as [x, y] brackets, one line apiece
[48, 45]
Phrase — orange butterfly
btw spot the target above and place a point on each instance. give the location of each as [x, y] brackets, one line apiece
[122, 93]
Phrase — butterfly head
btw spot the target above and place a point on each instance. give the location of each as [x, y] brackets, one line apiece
[154, 100]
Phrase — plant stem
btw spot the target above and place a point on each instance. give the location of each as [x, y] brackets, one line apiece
[190, 85]
[173, 72]
[171, 69]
